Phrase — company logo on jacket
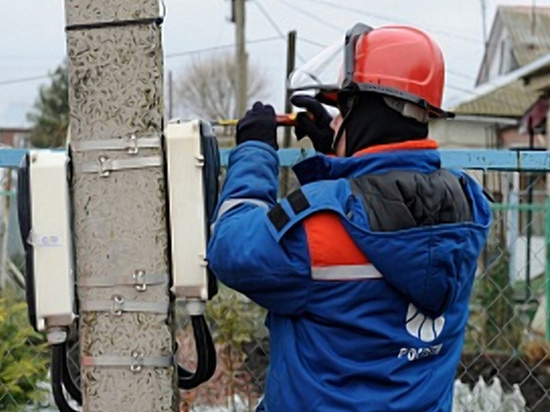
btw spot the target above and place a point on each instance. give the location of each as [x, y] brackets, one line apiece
[425, 329]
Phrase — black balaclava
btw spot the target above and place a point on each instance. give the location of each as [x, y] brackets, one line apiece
[372, 122]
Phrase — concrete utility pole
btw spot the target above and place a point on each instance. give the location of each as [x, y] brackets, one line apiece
[119, 199]
[241, 56]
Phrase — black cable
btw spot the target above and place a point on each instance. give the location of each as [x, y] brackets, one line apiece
[206, 356]
[71, 387]
[186, 378]
[58, 354]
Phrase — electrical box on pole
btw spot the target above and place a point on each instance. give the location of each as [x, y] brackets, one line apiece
[45, 220]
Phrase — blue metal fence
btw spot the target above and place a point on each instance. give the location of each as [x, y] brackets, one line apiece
[501, 337]
[451, 158]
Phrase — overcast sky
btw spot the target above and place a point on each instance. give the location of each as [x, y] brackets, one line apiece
[32, 40]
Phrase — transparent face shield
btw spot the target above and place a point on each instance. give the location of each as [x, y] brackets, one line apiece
[333, 68]
[330, 73]
[322, 73]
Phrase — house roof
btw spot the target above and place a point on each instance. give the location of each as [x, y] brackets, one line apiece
[507, 96]
[530, 42]
[530, 38]
[15, 129]
[511, 100]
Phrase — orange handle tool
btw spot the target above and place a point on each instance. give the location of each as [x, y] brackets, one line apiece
[287, 119]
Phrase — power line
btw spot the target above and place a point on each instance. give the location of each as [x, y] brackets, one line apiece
[168, 56]
[313, 42]
[275, 26]
[311, 16]
[388, 18]
[214, 48]
[23, 80]
[269, 19]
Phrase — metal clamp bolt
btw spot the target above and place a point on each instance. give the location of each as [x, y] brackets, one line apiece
[132, 144]
[200, 160]
[137, 363]
[139, 279]
[103, 171]
[118, 305]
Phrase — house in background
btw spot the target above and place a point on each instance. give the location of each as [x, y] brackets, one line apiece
[494, 115]
[491, 116]
[17, 137]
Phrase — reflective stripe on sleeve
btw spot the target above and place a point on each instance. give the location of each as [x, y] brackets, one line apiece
[231, 203]
[345, 272]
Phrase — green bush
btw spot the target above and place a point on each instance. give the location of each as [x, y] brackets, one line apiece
[23, 356]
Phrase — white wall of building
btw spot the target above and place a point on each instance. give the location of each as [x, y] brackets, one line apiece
[459, 134]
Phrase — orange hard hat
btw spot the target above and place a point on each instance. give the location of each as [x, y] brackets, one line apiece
[397, 61]
[401, 58]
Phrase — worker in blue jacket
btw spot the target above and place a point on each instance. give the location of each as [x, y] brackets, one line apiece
[367, 269]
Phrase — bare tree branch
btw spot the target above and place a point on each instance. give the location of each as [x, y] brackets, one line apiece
[207, 89]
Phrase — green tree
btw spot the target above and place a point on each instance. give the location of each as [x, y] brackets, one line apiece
[23, 356]
[50, 116]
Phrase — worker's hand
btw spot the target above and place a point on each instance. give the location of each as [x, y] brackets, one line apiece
[259, 124]
[317, 129]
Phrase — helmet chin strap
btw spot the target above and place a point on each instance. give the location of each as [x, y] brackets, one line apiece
[407, 109]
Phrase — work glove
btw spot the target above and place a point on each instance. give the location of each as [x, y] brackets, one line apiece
[259, 124]
[317, 129]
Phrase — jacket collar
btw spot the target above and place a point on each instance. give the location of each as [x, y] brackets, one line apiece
[418, 155]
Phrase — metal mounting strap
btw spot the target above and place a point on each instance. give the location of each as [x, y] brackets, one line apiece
[131, 144]
[118, 305]
[105, 165]
[140, 279]
[136, 362]
[115, 23]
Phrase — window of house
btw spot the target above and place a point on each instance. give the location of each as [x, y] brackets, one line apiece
[507, 60]
[21, 140]
[539, 196]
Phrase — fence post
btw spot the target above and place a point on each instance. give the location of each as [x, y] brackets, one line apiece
[5, 227]
[116, 104]
[547, 266]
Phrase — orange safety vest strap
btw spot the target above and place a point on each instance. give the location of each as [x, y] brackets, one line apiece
[423, 144]
[329, 242]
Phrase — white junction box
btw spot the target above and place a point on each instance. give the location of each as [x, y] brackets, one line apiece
[49, 239]
[188, 231]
